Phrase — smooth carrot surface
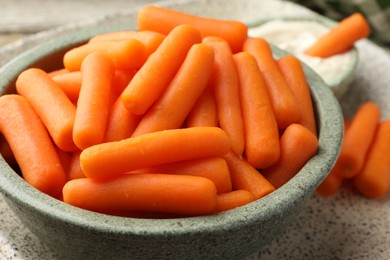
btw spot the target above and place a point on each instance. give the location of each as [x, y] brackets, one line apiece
[75, 171]
[114, 158]
[155, 75]
[70, 83]
[245, 177]
[284, 103]
[121, 123]
[358, 139]
[330, 185]
[172, 108]
[233, 199]
[374, 179]
[213, 168]
[121, 80]
[224, 80]
[163, 20]
[292, 71]
[51, 104]
[31, 145]
[150, 39]
[125, 54]
[204, 112]
[187, 195]
[297, 146]
[94, 100]
[262, 147]
[341, 37]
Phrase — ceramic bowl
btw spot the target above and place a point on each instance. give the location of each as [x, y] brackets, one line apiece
[337, 71]
[80, 234]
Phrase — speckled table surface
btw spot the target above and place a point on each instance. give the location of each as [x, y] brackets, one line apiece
[344, 226]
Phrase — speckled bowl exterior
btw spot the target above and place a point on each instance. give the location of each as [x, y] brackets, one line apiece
[79, 234]
[338, 86]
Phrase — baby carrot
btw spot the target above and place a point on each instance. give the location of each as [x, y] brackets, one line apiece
[94, 100]
[57, 72]
[342, 37]
[164, 20]
[75, 171]
[261, 130]
[374, 179]
[292, 71]
[51, 104]
[31, 145]
[297, 146]
[233, 199]
[152, 79]
[224, 80]
[115, 158]
[126, 54]
[166, 193]
[172, 108]
[212, 168]
[120, 123]
[70, 83]
[150, 39]
[121, 80]
[358, 139]
[331, 184]
[204, 112]
[6, 152]
[283, 101]
[245, 177]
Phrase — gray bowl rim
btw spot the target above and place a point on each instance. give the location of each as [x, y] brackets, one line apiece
[298, 189]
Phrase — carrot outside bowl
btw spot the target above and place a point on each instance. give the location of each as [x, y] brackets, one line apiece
[80, 234]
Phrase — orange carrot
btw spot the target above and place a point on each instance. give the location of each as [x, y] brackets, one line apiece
[284, 103]
[152, 79]
[70, 83]
[333, 181]
[213, 168]
[297, 146]
[204, 112]
[261, 130]
[94, 100]
[120, 123]
[358, 139]
[374, 179]
[5, 151]
[125, 54]
[342, 37]
[233, 199]
[54, 73]
[172, 108]
[121, 80]
[150, 39]
[245, 177]
[31, 145]
[179, 194]
[330, 185]
[75, 171]
[224, 80]
[164, 20]
[115, 158]
[292, 71]
[51, 104]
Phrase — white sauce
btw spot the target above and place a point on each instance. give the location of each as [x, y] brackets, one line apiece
[297, 36]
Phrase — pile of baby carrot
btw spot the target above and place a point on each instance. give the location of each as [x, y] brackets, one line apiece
[364, 160]
[186, 116]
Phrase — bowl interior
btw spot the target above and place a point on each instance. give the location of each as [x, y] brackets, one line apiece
[274, 207]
